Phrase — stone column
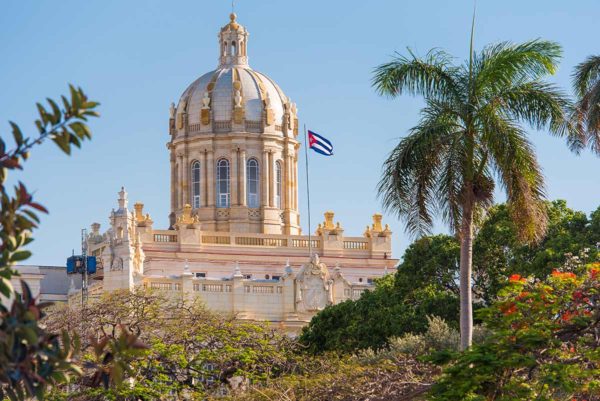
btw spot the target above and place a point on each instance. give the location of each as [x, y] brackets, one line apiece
[173, 182]
[204, 180]
[295, 188]
[233, 178]
[210, 179]
[243, 179]
[265, 179]
[290, 183]
[181, 181]
[272, 178]
[187, 175]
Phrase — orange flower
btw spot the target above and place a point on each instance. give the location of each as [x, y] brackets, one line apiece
[517, 278]
[509, 309]
[563, 275]
[568, 315]
[595, 273]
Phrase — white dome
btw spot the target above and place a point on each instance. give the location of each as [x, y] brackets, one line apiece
[234, 95]
[222, 95]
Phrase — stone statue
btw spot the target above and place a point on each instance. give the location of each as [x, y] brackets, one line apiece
[238, 98]
[172, 110]
[206, 101]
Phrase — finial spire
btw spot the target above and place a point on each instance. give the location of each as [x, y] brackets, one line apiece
[233, 42]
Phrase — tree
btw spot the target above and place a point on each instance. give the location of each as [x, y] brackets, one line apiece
[544, 343]
[498, 253]
[469, 131]
[190, 351]
[424, 285]
[586, 114]
[32, 358]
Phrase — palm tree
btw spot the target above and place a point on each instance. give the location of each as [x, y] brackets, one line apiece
[586, 82]
[471, 134]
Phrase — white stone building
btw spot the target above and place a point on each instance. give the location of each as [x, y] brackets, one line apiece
[234, 236]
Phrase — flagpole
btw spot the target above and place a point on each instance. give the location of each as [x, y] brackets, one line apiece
[307, 192]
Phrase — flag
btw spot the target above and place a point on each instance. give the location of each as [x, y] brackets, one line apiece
[319, 144]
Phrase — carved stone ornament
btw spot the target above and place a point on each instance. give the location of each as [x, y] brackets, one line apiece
[186, 217]
[315, 287]
[117, 264]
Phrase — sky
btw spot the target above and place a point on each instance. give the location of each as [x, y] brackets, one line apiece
[136, 57]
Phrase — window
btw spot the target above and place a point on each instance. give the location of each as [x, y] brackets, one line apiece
[252, 182]
[196, 185]
[223, 183]
[233, 49]
[278, 184]
[276, 278]
[247, 276]
[369, 281]
[267, 277]
[200, 275]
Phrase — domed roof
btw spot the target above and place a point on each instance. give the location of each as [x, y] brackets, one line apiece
[234, 92]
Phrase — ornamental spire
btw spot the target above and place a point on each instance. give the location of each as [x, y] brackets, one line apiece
[233, 44]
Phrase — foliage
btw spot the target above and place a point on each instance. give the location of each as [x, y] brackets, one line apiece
[424, 285]
[349, 379]
[190, 350]
[545, 343]
[31, 358]
[469, 134]
[497, 252]
[586, 113]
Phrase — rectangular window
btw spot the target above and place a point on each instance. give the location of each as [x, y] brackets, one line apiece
[200, 275]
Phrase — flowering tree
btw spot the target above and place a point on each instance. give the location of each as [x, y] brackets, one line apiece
[545, 343]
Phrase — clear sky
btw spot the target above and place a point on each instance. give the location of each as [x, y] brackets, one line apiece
[136, 57]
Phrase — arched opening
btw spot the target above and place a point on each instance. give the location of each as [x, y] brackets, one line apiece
[233, 48]
[278, 184]
[223, 194]
[196, 184]
[252, 182]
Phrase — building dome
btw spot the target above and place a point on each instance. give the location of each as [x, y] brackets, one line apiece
[233, 94]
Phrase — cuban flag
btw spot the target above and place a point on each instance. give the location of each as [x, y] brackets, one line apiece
[319, 144]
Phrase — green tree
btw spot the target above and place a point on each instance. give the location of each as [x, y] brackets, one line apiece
[544, 344]
[424, 285]
[498, 252]
[586, 83]
[32, 358]
[470, 131]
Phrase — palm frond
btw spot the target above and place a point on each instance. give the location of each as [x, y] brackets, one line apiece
[506, 63]
[411, 171]
[432, 76]
[513, 158]
[586, 75]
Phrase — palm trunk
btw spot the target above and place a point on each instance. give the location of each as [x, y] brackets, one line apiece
[466, 266]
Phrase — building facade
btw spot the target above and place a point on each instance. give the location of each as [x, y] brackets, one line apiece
[234, 236]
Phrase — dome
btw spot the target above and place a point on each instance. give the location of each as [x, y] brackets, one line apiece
[255, 89]
[233, 93]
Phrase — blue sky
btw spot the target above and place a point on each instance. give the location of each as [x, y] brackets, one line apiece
[136, 57]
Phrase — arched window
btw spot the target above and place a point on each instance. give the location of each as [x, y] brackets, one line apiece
[252, 180]
[223, 183]
[233, 49]
[196, 184]
[278, 184]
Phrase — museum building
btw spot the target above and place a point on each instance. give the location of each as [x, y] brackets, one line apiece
[234, 236]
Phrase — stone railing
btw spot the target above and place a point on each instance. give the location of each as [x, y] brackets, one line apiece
[325, 244]
[274, 300]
